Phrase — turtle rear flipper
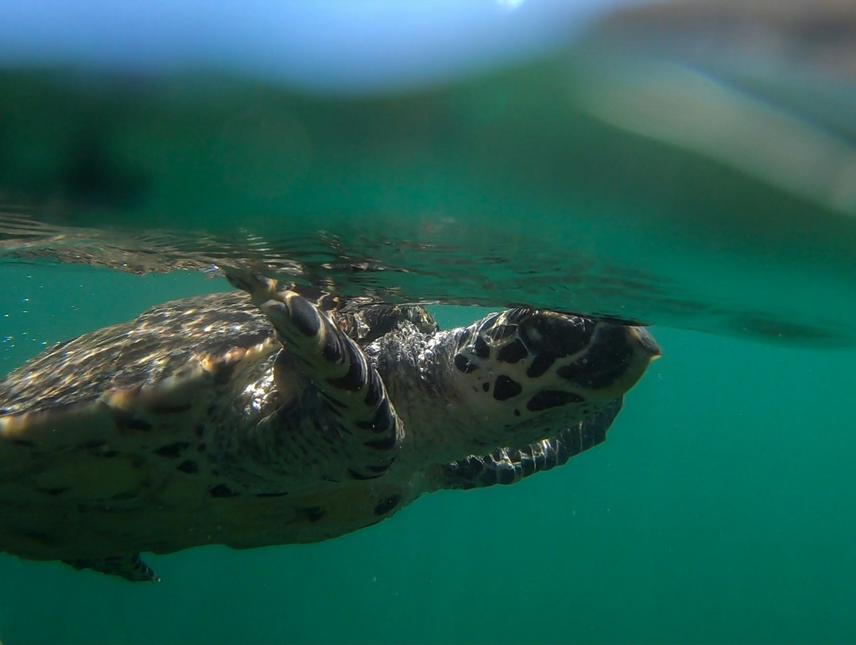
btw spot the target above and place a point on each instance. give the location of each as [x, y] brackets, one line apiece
[355, 432]
[131, 567]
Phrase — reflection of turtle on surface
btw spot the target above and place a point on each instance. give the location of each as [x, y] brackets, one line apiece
[260, 419]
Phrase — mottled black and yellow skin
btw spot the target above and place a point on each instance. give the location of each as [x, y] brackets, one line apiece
[263, 417]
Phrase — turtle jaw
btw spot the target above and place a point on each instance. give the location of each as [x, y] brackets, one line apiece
[646, 341]
[612, 363]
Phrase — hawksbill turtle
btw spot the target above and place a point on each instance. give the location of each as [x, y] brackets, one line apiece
[262, 416]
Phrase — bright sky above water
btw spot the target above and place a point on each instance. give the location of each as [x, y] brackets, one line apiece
[331, 44]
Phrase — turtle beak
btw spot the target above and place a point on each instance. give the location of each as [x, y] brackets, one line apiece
[643, 350]
[614, 360]
[646, 342]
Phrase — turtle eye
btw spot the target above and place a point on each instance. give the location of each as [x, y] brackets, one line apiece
[556, 335]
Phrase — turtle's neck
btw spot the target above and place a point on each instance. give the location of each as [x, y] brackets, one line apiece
[416, 369]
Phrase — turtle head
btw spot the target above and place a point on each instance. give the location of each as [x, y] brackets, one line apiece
[526, 374]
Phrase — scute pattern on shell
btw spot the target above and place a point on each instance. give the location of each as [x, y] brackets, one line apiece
[137, 353]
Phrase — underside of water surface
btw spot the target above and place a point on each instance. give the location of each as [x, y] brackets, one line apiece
[612, 179]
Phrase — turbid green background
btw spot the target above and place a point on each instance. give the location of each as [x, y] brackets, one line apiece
[721, 509]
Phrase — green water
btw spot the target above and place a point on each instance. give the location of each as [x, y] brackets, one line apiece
[720, 510]
[708, 194]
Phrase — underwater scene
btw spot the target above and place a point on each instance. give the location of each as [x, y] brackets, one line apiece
[387, 266]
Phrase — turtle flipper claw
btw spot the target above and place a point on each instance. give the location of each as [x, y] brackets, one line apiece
[355, 404]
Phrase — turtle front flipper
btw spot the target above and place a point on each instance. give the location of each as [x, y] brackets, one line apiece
[510, 465]
[347, 425]
[131, 567]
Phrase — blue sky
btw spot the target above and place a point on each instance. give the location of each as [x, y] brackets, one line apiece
[344, 44]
